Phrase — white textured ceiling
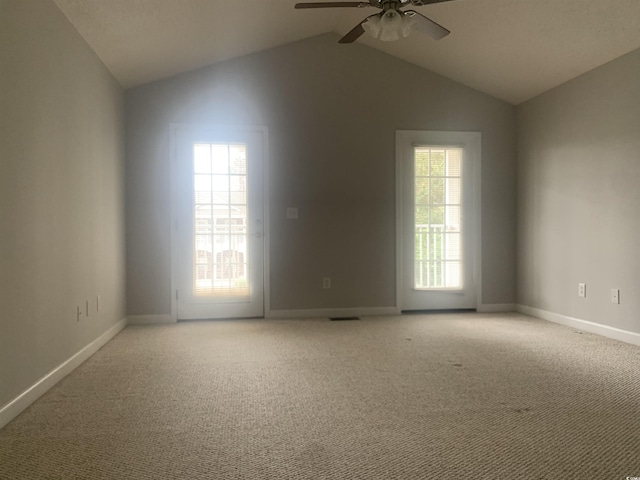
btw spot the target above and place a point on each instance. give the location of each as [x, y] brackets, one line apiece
[511, 49]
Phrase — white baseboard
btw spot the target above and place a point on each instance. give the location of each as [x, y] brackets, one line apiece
[496, 307]
[150, 319]
[14, 408]
[333, 312]
[597, 328]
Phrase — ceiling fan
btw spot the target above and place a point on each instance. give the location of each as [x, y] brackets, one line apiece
[391, 23]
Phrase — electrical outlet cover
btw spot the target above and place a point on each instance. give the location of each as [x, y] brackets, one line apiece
[292, 213]
[582, 290]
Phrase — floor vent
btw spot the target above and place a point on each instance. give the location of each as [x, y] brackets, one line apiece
[340, 319]
[436, 312]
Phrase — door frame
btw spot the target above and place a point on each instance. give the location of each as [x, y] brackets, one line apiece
[472, 144]
[174, 130]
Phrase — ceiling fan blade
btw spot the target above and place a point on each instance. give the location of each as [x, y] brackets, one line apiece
[332, 4]
[428, 26]
[420, 3]
[353, 34]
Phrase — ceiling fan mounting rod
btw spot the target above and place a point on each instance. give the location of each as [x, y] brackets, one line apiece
[390, 5]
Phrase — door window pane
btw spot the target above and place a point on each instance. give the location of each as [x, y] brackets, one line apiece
[221, 260]
[437, 214]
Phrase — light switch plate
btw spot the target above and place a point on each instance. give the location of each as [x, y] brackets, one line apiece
[615, 296]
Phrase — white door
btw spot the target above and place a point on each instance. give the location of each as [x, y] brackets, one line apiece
[218, 190]
[438, 178]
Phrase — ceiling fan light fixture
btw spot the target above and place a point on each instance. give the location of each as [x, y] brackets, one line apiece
[390, 26]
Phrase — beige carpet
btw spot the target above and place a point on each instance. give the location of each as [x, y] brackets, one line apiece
[412, 397]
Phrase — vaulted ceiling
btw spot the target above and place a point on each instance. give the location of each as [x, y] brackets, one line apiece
[511, 49]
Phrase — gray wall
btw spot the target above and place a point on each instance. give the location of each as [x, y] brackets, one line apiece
[579, 196]
[61, 193]
[332, 111]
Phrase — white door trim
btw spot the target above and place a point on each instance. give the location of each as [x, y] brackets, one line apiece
[173, 130]
[472, 142]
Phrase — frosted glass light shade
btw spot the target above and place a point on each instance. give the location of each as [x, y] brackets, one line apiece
[407, 23]
[372, 26]
[391, 23]
[390, 26]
